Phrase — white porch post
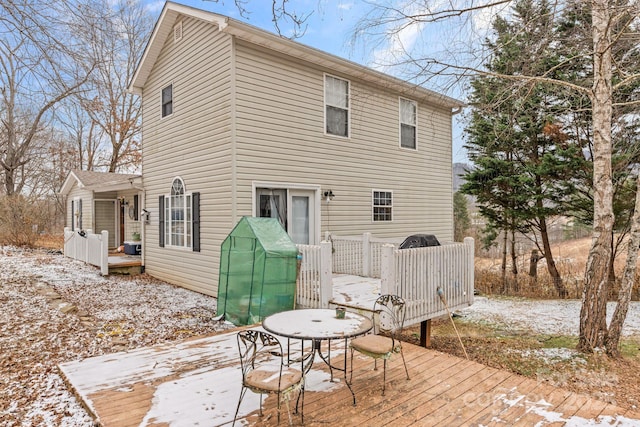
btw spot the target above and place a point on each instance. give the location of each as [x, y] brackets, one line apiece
[326, 280]
[388, 270]
[366, 254]
[104, 253]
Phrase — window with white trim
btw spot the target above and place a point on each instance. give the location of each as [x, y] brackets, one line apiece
[408, 119]
[382, 202]
[177, 214]
[167, 101]
[336, 102]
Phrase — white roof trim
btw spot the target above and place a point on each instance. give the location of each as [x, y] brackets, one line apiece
[71, 179]
[271, 41]
[117, 185]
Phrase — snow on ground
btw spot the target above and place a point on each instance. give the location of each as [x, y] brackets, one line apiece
[112, 314]
[552, 317]
[119, 313]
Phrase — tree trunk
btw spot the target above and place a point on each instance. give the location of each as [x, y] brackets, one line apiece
[514, 263]
[514, 255]
[594, 296]
[612, 271]
[551, 264]
[533, 264]
[504, 261]
[628, 278]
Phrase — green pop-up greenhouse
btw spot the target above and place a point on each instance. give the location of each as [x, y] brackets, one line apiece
[258, 269]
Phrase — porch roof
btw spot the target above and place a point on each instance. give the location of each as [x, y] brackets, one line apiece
[101, 181]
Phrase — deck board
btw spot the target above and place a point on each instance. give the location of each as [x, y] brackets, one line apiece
[196, 382]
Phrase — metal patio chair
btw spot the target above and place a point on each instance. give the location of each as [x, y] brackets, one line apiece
[390, 311]
[264, 371]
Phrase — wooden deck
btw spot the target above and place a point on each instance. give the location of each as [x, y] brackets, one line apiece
[120, 263]
[197, 382]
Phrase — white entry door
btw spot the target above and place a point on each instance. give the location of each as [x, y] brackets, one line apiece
[302, 217]
[294, 208]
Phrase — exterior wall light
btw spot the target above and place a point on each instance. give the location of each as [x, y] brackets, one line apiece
[328, 195]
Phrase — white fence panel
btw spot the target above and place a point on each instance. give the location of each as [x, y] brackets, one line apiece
[88, 247]
[314, 287]
[347, 255]
[416, 275]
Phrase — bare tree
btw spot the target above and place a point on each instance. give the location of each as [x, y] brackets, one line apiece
[115, 34]
[286, 21]
[611, 22]
[38, 69]
[84, 135]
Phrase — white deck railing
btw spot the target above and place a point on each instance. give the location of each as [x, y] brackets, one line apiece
[415, 274]
[359, 255]
[90, 248]
[314, 281]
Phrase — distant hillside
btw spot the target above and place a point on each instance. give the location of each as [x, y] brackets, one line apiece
[459, 170]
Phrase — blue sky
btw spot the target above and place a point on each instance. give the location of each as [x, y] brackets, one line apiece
[329, 28]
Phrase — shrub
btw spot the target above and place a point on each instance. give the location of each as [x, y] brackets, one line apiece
[21, 220]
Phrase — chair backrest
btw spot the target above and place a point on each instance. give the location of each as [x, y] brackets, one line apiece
[258, 349]
[390, 312]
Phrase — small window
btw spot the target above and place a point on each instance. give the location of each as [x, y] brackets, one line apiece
[167, 101]
[408, 113]
[336, 100]
[382, 205]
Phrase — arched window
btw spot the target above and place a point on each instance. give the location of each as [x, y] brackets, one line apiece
[178, 216]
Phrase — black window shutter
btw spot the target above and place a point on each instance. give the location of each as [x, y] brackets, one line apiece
[80, 214]
[195, 200]
[73, 215]
[135, 208]
[161, 221]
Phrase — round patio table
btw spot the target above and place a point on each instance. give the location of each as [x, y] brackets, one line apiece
[317, 325]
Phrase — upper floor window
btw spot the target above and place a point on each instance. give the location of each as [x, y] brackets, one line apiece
[336, 101]
[408, 113]
[177, 212]
[167, 101]
[382, 205]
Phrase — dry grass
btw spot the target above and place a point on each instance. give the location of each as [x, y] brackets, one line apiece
[570, 257]
[50, 241]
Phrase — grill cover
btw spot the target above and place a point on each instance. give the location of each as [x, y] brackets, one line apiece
[419, 241]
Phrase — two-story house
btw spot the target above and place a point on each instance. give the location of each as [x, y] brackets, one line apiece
[238, 121]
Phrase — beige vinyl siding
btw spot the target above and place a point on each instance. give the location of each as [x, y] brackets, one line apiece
[280, 138]
[193, 143]
[105, 211]
[87, 206]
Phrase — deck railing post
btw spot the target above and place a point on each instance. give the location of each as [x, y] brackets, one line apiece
[87, 246]
[104, 253]
[326, 267]
[366, 254]
[470, 265]
[388, 270]
[65, 247]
